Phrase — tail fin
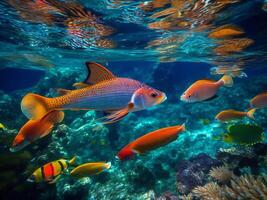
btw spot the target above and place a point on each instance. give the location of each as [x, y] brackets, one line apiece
[227, 80]
[108, 165]
[250, 113]
[72, 161]
[34, 106]
[243, 75]
[183, 127]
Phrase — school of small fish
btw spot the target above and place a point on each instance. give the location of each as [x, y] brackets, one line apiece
[118, 96]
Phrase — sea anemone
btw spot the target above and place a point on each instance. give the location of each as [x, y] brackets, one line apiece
[243, 187]
[222, 174]
[210, 191]
[247, 187]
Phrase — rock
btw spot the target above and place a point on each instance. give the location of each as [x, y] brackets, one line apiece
[193, 172]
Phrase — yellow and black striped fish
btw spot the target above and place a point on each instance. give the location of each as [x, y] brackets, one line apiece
[50, 172]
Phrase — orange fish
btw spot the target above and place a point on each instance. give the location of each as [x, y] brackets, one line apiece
[259, 101]
[52, 171]
[228, 115]
[150, 141]
[90, 169]
[36, 129]
[101, 91]
[205, 89]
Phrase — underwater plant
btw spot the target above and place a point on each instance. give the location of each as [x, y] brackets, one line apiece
[222, 174]
[247, 187]
[244, 187]
[210, 191]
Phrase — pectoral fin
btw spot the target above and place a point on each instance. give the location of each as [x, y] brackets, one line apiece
[54, 180]
[116, 116]
[212, 98]
[48, 130]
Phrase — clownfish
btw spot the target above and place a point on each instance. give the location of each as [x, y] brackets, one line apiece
[51, 172]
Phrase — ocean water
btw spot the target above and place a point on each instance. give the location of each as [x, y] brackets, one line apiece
[165, 44]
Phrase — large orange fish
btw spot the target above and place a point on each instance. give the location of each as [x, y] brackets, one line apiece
[151, 141]
[228, 115]
[36, 129]
[205, 89]
[102, 91]
[259, 101]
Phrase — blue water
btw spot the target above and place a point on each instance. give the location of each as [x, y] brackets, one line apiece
[44, 46]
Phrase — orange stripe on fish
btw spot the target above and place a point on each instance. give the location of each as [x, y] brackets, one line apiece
[48, 171]
[150, 141]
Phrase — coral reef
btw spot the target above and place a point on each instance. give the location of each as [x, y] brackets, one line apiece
[172, 172]
[210, 191]
[243, 187]
[247, 187]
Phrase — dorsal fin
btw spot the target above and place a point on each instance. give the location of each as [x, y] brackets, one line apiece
[62, 91]
[97, 73]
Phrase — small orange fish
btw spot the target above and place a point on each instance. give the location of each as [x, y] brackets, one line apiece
[36, 129]
[259, 101]
[151, 141]
[205, 89]
[228, 115]
[90, 169]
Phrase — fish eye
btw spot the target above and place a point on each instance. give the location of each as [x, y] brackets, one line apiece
[153, 94]
[190, 96]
